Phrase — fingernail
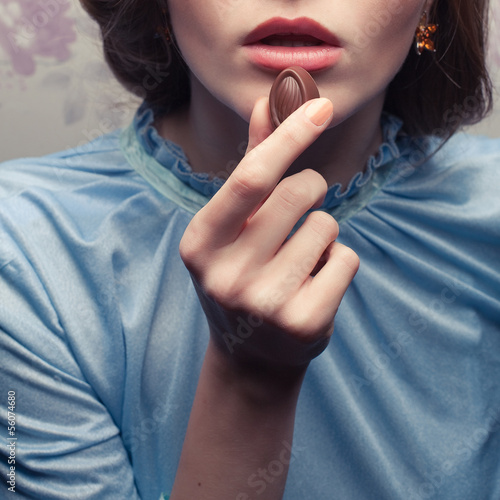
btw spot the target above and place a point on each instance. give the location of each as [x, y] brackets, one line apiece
[319, 111]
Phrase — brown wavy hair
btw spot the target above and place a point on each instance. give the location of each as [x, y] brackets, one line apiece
[435, 93]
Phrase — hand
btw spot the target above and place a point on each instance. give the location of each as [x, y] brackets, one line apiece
[269, 299]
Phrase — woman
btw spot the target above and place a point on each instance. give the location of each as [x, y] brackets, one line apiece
[104, 344]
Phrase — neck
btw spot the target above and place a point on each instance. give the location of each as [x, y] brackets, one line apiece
[214, 139]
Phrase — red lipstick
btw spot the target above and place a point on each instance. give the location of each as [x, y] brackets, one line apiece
[279, 43]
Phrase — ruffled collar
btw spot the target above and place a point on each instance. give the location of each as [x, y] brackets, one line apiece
[170, 156]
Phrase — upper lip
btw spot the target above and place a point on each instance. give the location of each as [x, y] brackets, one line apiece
[302, 26]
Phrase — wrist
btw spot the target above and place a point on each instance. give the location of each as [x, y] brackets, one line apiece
[242, 419]
[258, 382]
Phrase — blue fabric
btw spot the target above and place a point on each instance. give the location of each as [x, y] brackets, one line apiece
[165, 156]
[102, 337]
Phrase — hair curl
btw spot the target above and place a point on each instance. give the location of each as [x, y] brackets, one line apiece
[433, 93]
[140, 51]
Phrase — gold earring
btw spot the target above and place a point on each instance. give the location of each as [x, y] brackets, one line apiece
[423, 35]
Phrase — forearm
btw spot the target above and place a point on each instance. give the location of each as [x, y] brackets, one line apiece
[240, 431]
[244, 264]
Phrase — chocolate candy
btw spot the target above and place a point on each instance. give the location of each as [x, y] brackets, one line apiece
[292, 88]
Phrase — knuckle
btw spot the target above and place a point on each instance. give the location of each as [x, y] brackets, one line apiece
[293, 135]
[303, 325]
[268, 300]
[310, 326]
[323, 225]
[249, 181]
[316, 178]
[229, 284]
[221, 289]
[349, 257]
[293, 193]
[192, 246]
[214, 289]
[188, 249]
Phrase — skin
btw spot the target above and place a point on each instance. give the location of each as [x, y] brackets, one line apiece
[226, 85]
[243, 267]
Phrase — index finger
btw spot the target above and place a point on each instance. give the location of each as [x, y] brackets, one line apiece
[260, 170]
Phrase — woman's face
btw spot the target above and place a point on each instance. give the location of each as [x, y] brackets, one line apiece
[353, 48]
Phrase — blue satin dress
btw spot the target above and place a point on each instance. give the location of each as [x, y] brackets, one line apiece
[102, 336]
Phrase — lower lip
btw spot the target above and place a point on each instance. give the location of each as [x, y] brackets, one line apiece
[313, 58]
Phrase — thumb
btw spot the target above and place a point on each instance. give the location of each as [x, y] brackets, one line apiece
[260, 126]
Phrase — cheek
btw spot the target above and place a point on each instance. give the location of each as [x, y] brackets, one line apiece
[384, 38]
[386, 27]
[377, 48]
[192, 23]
